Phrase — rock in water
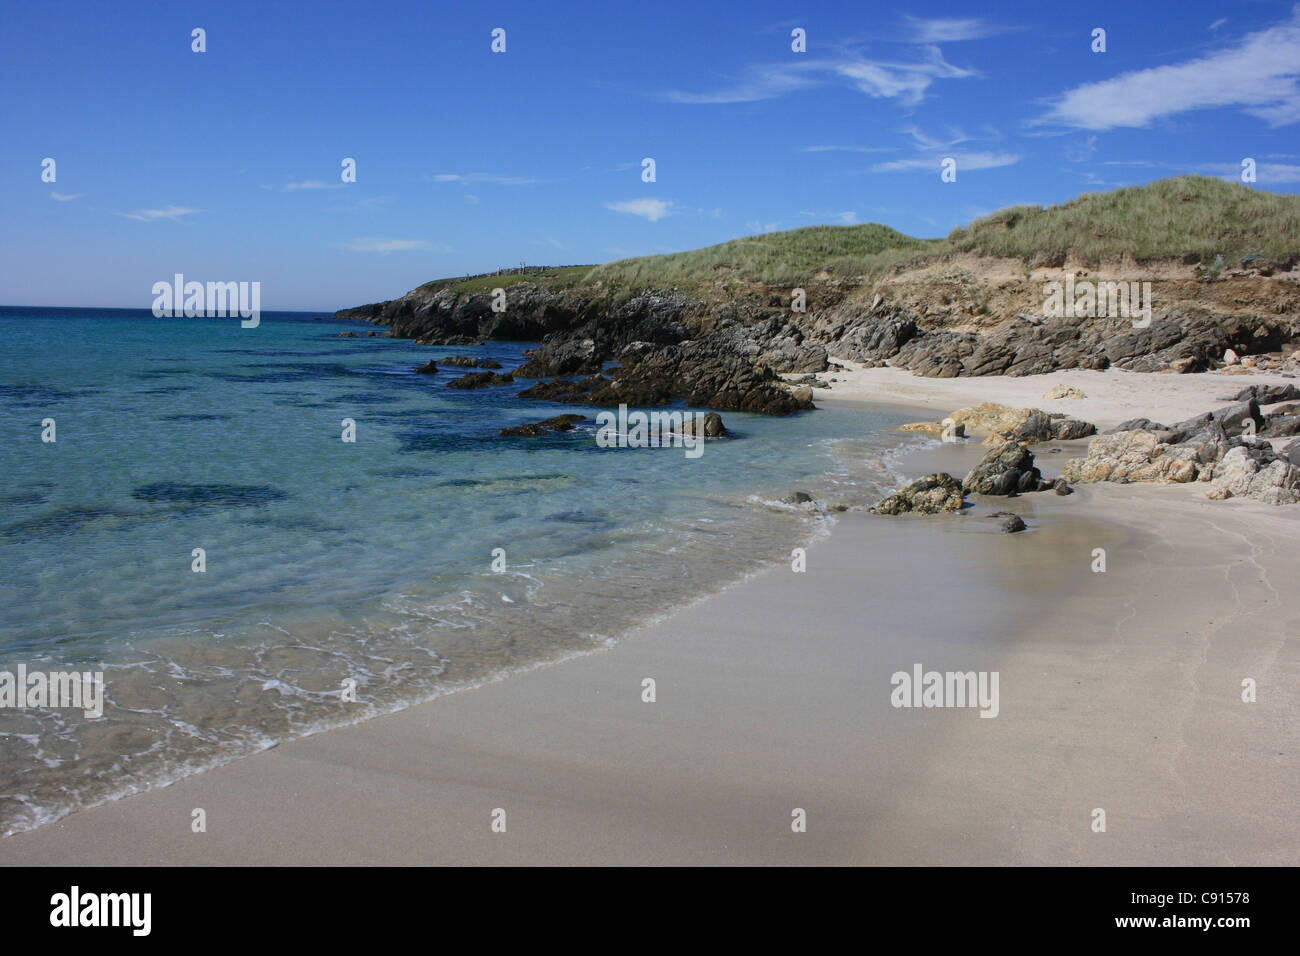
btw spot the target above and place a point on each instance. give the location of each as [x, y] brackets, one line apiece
[1013, 524]
[428, 368]
[929, 495]
[480, 380]
[560, 423]
[710, 424]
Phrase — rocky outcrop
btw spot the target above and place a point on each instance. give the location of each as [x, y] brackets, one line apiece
[468, 361]
[1217, 447]
[1028, 345]
[932, 494]
[1007, 469]
[428, 368]
[481, 380]
[731, 342]
[1004, 423]
[1265, 394]
[1257, 471]
[560, 423]
[1140, 455]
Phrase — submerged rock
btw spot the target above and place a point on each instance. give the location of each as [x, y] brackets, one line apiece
[1013, 524]
[467, 361]
[480, 380]
[560, 423]
[428, 368]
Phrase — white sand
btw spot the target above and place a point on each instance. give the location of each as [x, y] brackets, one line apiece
[1112, 395]
[1118, 690]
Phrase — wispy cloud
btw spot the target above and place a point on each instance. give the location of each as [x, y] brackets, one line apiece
[1078, 152]
[466, 178]
[925, 141]
[65, 197]
[965, 162]
[652, 209]
[385, 246]
[906, 81]
[924, 30]
[311, 184]
[174, 213]
[1258, 75]
[849, 149]
[1267, 174]
[1218, 23]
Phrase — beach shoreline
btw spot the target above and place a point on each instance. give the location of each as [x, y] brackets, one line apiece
[1121, 691]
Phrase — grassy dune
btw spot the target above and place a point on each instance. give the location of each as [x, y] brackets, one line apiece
[1192, 218]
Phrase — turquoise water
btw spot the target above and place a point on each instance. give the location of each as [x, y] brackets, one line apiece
[330, 562]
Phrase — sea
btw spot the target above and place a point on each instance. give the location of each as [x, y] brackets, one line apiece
[199, 532]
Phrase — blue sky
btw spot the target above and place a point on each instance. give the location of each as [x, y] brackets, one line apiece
[225, 165]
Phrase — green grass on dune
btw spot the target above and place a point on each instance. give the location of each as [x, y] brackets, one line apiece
[1192, 218]
[775, 258]
[1189, 217]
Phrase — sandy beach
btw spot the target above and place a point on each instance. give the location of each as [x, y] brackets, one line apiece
[1119, 691]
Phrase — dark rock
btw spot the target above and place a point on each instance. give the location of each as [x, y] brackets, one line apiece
[796, 498]
[1266, 394]
[560, 423]
[1281, 426]
[480, 380]
[1292, 452]
[1000, 471]
[1013, 524]
[711, 426]
[466, 361]
[1062, 488]
[428, 368]
[929, 495]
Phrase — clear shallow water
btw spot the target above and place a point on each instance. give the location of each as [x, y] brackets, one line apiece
[329, 561]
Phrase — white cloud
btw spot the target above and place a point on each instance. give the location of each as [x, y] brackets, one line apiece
[924, 141]
[174, 213]
[965, 162]
[1258, 74]
[849, 149]
[65, 197]
[385, 246]
[1078, 152]
[652, 209]
[1218, 23]
[949, 30]
[466, 178]
[879, 79]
